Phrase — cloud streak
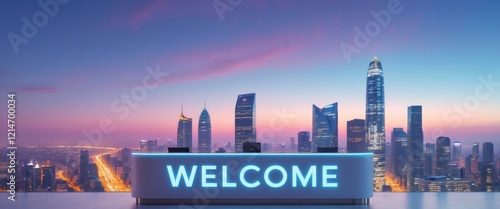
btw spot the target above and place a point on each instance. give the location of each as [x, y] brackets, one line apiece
[245, 55]
[37, 89]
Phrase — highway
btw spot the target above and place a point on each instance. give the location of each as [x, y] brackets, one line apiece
[110, 181]
[74, 185]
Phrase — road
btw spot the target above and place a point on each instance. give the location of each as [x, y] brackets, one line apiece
[74, 185]
[110, 181]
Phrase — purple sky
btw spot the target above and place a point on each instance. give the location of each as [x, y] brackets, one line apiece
[72, 73]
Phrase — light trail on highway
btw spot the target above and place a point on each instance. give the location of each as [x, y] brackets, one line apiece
[73, 185]
[110, 181]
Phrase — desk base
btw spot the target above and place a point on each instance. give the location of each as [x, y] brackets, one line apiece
[362, 201]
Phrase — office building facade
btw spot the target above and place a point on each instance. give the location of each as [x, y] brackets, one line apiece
[244, 121]
[415, 148]
[356, 134]
[325, 126]
[375, 121]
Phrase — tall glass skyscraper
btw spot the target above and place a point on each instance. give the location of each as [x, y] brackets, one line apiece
[456, 152]
[204, 132]
[429, 153]
[244, 121]
[356, 136]
[375, 121]
[185, 132]
[488, 154]
[415, 148]
[488, 176]
[325, 127]
[304, 141]
[443, 156]
[84, 168]
[475, 160]
[398, 145]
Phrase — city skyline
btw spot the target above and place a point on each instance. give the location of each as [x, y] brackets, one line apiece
[286, 52]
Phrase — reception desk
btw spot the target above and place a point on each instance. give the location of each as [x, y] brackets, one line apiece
[252, 178]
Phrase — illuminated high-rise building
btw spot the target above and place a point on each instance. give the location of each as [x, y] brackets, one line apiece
[204, 132]
[244, 121]
[84, 167]
[48, 178]
[325, 126]
[488, 176]
[415, 148]
[429, 153]
[185, 131]
[149, 145]
[398, 145]
[474, 163]
[356, 136]
[443, 156]
[375, 121]
[443, 184]
[456, 154]
[304, 141]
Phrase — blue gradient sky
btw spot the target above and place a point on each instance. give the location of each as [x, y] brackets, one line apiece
[287, 52]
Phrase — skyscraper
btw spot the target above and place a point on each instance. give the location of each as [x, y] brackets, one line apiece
[149, 145]
[398, 144]
[293, 145]
[204, 132]
[185, 131]
[443, 156]
[488, 153]
[244, 121]
[415, 148]
[304, 141]
[475, 162]
[375, 121]
[84, 167]
[325, 127]
[429, 153]
[488, 176]
[356, 136]
[456, 152]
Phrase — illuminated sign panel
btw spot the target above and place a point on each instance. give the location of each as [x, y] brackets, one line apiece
[243, 178]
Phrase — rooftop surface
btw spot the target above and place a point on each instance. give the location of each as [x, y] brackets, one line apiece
[380, 200]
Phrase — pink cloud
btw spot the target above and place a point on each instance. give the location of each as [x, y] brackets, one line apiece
[246, 55]
[147, 12]
[38, 89]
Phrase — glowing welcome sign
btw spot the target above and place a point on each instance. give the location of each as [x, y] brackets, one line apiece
[252, 178]
[297, 175]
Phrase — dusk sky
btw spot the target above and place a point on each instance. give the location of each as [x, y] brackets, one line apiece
[72, 71]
